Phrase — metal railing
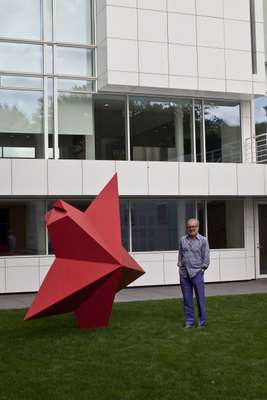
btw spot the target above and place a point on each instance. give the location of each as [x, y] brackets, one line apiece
[256, 149]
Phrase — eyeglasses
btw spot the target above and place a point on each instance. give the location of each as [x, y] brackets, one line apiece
[192, 226]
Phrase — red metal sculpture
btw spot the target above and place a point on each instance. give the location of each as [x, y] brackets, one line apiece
[91, 264]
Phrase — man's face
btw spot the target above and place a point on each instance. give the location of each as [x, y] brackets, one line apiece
[192, 228]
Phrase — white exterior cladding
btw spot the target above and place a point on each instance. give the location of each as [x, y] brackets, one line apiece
[199, 48]
[86, 178]
[196, 47]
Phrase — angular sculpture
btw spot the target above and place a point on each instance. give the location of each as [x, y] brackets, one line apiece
[91, 264]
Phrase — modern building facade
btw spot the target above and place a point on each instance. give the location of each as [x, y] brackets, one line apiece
[169, 94]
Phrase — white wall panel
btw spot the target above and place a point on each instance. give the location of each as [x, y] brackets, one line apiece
[212, 8]
[152, 4]
[152, 263]
[148, 19]
[42, 274]
[171, 271]
[129, 61]
[2, 279]
[186, 7]
[206, 25]
[20, 279]
[182, 29]
[237, 35]
[123, 3]
[232, 269]
[64, 177]
[237, 9]
[5, 177]
[29, 177]
[96, 175]
[183, 60]
[250, 179]
[211, 63]
[132, 177]
[153, 57]
[165, 173]
[220, 24]
[123, 22]
[222, 179]
[194, 179]
[212, 274]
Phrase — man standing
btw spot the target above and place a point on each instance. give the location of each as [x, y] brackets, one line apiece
[193, 260]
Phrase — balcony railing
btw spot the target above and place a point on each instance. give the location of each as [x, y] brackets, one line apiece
[256, 149]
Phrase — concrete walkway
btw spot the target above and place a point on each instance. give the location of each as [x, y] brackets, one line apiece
[16, 301]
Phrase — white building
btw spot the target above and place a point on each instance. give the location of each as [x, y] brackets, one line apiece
[169, 94]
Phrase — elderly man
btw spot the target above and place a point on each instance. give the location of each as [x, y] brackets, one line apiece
[193, 260]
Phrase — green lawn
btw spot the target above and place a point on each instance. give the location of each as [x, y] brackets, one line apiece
[144, 354]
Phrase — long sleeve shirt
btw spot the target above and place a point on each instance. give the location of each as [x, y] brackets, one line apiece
[194, 254]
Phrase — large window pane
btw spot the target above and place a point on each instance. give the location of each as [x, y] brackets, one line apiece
[21, 123]
[75, 126]
[261, 115]
[186, 210]
[109, 115]
[20, 19]
[73, 21]
[124, 214]
[154, 225]
[223, 132]
[22, 229]
[161, 129]
[74, 61]
[20, 82]
[199, 131]
[83, 204]
[226, 224]
[20, 57]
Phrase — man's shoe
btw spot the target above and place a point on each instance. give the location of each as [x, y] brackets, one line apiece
[201, 326]
[187, 326]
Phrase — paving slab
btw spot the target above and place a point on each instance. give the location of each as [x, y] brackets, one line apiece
[24, 300]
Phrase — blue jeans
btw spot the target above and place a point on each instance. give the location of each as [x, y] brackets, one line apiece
[188, 285]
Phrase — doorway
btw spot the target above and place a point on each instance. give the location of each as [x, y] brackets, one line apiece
[262, 239]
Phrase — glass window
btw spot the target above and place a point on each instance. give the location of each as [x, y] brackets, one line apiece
[223, 132]
[261, 115]
[50, 94]
[20, 19]
[75, 126]
[20, 57]
[161, 129]
[201, 215]
[154, 225]
[109, 115]
[75, 85]
[21, 123]
[48, 32]
[74, 61]
[22, 229]
[83, 204]
[124, 213]
[20, 82]
[49, 68]
[186, 210]
[225, 224]
[73, 21]
[199, 132]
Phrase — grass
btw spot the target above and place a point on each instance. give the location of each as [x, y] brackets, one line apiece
[144, 354]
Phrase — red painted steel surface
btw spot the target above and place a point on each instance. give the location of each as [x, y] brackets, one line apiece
[91, 264]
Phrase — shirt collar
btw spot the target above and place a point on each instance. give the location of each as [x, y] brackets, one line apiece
[197, 236]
